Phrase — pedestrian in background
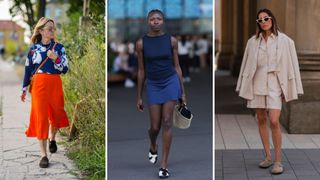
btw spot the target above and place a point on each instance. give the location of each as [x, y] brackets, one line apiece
[122, 66]
[202, 50]
[196, 54]
[269, 74]
[184, 47]
[45, 62]
[158, 65]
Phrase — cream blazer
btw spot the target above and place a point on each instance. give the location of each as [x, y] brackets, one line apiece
[287, 68]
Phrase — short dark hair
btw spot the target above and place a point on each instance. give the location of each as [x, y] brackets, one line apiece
[274, 27]
[155, 11]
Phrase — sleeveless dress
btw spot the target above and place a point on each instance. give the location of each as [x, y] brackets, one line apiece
[162, 82]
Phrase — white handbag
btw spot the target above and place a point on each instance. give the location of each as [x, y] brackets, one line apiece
[182, 117]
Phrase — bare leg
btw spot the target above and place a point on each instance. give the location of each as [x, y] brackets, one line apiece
[274, 115]
[53, 132]
[43, 147]
[167, 111]
[155, 124]
[263, 130]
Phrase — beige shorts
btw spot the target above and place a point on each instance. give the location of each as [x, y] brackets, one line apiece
[271, 101]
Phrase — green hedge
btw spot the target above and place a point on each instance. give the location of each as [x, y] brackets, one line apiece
[85, 83]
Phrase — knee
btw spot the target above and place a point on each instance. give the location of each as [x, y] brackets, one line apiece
[154, 129]
[274, 124]
[262, 119]
[167, 122]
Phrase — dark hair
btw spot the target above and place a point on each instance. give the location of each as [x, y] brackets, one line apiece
[183, 39]
[155, 11]
[274, 27]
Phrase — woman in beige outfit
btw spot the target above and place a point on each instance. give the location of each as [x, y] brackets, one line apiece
[269, 74]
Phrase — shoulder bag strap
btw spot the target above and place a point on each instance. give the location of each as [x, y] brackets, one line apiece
[45, 59]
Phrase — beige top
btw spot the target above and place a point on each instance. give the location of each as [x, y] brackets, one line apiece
[267, 55]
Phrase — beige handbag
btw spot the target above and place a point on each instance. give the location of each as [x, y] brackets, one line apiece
[182, 117]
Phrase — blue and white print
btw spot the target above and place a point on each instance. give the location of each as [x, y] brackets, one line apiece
[37, 54]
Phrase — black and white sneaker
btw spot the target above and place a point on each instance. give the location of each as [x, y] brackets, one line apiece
[163, 173]
[153, 156]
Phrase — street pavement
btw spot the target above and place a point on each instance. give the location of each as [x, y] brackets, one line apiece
[128, 144]
[238, 148]
[19, 155]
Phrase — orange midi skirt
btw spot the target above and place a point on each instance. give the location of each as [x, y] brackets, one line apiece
[47, 106]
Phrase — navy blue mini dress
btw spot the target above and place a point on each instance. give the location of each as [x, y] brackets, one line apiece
[162, 81]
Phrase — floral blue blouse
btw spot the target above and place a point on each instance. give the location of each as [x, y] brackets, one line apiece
[37, 54]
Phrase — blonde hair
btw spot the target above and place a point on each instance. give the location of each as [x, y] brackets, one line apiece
[36, 36]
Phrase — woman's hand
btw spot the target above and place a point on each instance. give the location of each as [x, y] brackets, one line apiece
[23, 96]
[140, 105]
[52, 55]
[184, 99]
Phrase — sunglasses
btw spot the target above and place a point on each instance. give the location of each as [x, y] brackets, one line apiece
[263, 20]
[50, 29]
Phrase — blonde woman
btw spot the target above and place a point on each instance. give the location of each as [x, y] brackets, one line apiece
[45, 62]
[269, 74]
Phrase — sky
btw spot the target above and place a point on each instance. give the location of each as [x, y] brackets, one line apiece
[4, 13]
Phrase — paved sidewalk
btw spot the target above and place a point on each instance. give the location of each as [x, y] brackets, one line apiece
[238, 148]
[128, 144]
[239, 151]
[19, 156]
[299, 164]
[234, 131]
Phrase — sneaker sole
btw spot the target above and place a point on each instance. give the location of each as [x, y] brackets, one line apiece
[276, 173]
[164, 177]
[53, 151]
[45, 166]
[265, 167]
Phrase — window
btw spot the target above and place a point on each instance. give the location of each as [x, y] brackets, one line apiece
[116, 9]
[58, 13]
[191, 8]
[173, 8]
[135, 9]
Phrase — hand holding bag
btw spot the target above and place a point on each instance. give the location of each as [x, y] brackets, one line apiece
[42, 63]
[182, 116]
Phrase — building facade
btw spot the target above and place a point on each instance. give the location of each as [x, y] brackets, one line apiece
[127, 18]
[11, 36]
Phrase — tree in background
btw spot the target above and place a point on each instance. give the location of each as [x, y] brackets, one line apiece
[94, 7]
[33, 11]
[41, 8]
[28, 10]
